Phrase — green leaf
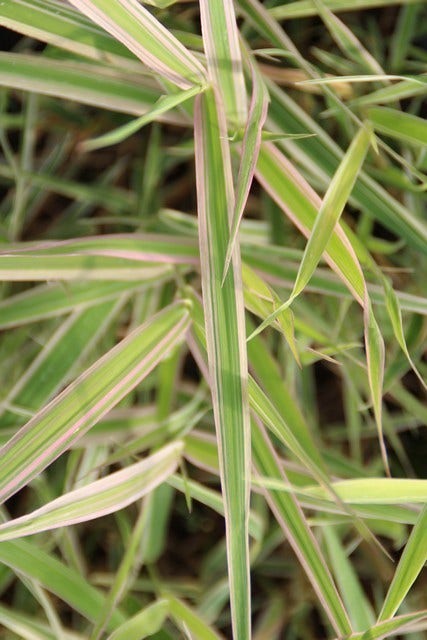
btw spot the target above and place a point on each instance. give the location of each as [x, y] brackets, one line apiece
[31, 561]
[52, 366]
[55, 299]
[412, 561]
[164, 104]
[375, 491]
[330, 211]
[249, 155]
[389, 627]
[190, 621]
[398, 124]
[143, 624]
[394, 311]
[62, 26]
[306, 8]
[291, 519]
[375, 357]
[356, 602]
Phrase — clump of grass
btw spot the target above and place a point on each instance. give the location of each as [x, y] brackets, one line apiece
[213, 308]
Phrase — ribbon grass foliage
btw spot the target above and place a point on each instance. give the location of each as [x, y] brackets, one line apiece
[226, 338]
[213, 257]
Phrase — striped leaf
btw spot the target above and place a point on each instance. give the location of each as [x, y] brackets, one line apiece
[133, 25]
[99, 498]
[225, 337]
[330, 211]
[87, 83]
[62, 422]
[223, 57]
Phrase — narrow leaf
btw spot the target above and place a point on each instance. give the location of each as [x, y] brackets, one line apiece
[164, 104]
[51, 369]
[249, 155]
[291, 519]
[62, 422]
[330, 211]
[306, 8]
[411, 563]
[55, 299]
[99, 498]
[60, 25]
[224, 60]
[398, 124]
[32, 562]
[145, 623]
[395, 314]
[384, 630]
[189, 619]
[225, 337]
[356, 602]
[375, 360]
[93, 84]
[134, 26]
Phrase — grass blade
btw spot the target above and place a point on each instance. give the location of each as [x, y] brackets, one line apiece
[384, 630]
[395, 314]
[375, 360]
[62, 26]
[145, 623]
[164, 104]
[225, 336]
[286, 508]
[51, 300]
[398, 124]
[92, 84]
[413, 558]
[330, 211]
[250, 149]
[99, 498]
[375, 491]
[306, 8]
[31, 561]
[300, 203]
[187, 619]
[134, 26]
[224, 60]
[51, 369]
[61, 423]
[291, 519]
[356, 602]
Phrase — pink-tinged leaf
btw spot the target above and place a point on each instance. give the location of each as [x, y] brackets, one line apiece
[132, 24]
[224, 60]
[147, 247]
[226, 344]
[99, 498]
[67, 418]
[301, 203]
[291, 519]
